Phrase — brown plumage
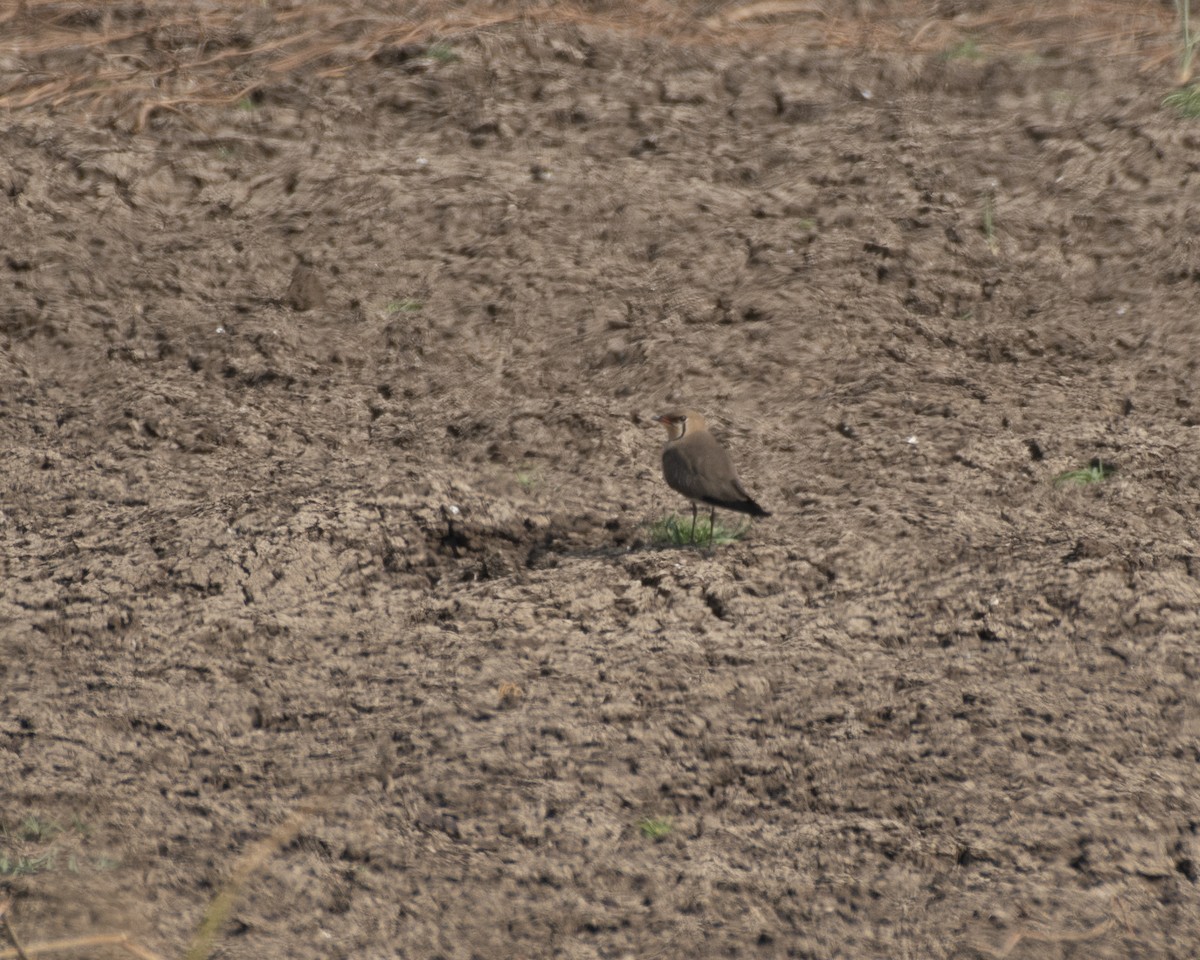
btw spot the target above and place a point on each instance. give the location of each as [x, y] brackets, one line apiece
[697, 466]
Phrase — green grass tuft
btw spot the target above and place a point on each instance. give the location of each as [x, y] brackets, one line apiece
[967, 50]
[1095, 472]
[1185, 102]
[34, 829]
[24, 865]
[655, 828]
[442, 53]
[37, 845]
[528, 478]
[676, 531]
[987, 221]
[404, 305]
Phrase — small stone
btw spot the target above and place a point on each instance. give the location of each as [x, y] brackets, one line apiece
[305, 291]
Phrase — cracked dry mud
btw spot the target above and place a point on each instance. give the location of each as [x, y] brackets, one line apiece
[938, 706]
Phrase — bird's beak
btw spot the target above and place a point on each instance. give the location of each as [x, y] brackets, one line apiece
[662, 420]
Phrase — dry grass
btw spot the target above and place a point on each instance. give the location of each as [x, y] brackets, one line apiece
[132, 60]
[214, 919]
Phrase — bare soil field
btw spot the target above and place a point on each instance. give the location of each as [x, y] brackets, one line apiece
[329, 351]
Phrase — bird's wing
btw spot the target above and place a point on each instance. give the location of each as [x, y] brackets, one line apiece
[680, 472]
[717, 467]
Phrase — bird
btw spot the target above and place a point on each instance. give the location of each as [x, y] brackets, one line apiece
[697, 466]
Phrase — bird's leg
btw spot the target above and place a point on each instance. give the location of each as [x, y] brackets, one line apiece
[693, 540]
[712, 523]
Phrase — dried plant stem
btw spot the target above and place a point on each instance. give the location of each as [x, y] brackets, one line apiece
[222, 904]
[182, 54]
[119, 940]
[18, 949]
[1188, 41]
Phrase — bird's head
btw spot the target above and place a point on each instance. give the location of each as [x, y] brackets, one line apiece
[679, 422]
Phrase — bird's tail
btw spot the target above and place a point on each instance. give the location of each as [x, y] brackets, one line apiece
[748, 505]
